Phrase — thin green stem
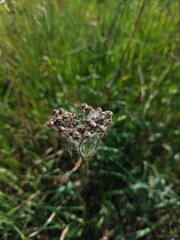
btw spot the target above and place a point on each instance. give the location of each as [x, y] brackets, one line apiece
[10, 224]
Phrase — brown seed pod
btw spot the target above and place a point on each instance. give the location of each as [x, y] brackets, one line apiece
[76, 135]
[99, 110]
[86, 134]
[108, 113]
[61, 111]
[82, 128]
[93, 124]
[84, 105]
[55, 112]
[110, 122]
[50, 123]
[62, 129]
[102, 129]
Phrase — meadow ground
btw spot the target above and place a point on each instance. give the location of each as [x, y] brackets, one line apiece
[122, 56]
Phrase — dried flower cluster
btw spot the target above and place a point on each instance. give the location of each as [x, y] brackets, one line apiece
[83, 130]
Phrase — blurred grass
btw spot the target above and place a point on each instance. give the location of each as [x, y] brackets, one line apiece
[122, 56]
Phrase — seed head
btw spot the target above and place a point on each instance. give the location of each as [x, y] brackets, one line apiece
[88, 125]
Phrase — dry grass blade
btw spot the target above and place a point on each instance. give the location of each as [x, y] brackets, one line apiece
[64, 233]
[49, 220]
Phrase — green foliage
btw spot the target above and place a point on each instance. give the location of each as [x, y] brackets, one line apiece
[118, 55]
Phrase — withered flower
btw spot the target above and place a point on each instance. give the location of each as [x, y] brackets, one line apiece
[84, 130]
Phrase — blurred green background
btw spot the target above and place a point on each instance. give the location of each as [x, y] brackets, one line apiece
[122, 56]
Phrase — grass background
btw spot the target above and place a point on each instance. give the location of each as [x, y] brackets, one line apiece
[122, 56]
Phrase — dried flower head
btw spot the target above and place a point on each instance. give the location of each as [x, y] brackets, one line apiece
[84, 130]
